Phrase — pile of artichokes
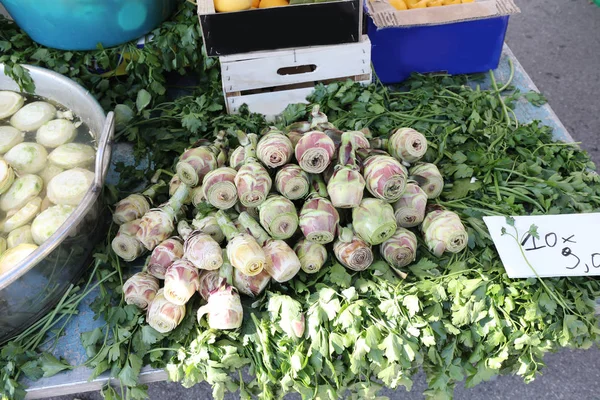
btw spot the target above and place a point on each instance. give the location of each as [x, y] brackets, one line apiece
[275, 205]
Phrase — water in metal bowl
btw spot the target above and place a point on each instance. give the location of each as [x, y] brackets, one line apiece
[36, 284]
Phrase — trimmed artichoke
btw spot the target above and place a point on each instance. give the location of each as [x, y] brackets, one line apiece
[443, 231]
[24, 216]
[408, 145]
[429, 179]
[203, 251]
[7, 176]
[56, 133]
[312, 255]
[319, 220]
[181, 282]
[400, 250]
[135, 205]
[72, 155]
[243, 251]
[219, 188]
[49, 221]
[351, 251]
[279, 217]
[32, 116]
[21, 192]
[125, 244]
[314, 152]
[163, 315]
[374, 221]
[274, 149]
[292, 182]
[410, 208]
[163, 256]
[386, 177]
[282, 263]
[19, 236]
[12, 257]
[346, 185]
[27, 158]
[195, 163]
[208, 224]
[69, 187]
[251, 285]
[224, 309]
[10, 103]
[9, 138]
[140, 290]
[157, 225]
[237, 157]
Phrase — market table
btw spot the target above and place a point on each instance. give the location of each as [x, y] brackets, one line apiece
[69, 346]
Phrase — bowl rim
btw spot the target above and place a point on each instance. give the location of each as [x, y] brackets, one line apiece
[102, 161]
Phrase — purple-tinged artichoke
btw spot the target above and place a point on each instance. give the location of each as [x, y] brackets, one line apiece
[386, 177]
[163, 256]
[163, 315]
[140, 290]
[400, 250]
[252, 180]
[224, 309]
[443, 231]
[181, 282]
[312, 255]
[410, 208]
[314, 152]
[429, 178]
[347, 185]
[125, 244]
[135, 206]
[243, 251]
[408, 145]
[274, 149]
[292, 182]
[203, 251]
[374, 221]
[279, 217]
[351, 251]
[219, 188]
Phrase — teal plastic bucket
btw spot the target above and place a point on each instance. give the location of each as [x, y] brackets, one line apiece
[83, 24]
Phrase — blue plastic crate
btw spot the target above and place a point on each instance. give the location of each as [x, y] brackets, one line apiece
[456, 48]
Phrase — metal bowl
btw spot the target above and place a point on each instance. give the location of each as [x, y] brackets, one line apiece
[34, 286]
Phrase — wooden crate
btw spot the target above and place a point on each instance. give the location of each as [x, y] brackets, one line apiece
[269, 81]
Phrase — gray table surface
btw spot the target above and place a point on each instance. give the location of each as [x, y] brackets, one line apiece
[69, 346]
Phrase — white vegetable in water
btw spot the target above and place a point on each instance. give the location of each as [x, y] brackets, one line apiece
[2, 245]
[27, 158]
[33, 115]
[24, 215]
[19, 236]
[22, 190]
[48, 222]
[10, 258]
[50, 172]
[7, 176]
[10, 103]
[56, 132]
[72, 155]
[69, 187]
[9, 138]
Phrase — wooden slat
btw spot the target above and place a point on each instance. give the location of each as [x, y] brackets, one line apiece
[259, 70]
[272, 103]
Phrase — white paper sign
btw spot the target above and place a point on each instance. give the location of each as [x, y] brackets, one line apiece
[568, 245]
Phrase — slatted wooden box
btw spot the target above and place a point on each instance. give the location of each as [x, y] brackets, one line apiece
[268, 81]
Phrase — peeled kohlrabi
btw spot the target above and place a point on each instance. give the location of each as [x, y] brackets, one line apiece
[10, 103]
[7, 176]
[22, 190]
[32, 116]
[9, 138]
[11, 257]
[24, 216]
[48, 222]
[72, 155]
[19, 236]
[50, 172]
[56, 132]
[69, 187]
[27, 158]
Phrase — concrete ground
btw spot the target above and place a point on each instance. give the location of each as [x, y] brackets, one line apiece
[558, 43]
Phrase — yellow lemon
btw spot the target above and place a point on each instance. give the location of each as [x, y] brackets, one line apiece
[232, 5]
[467, 1]
[420, 4]
[272, 3]
[451, 2]
[255, 3]
[435, 3]
[398, 4]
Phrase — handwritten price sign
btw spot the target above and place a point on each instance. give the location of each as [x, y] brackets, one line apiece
[549, 245]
